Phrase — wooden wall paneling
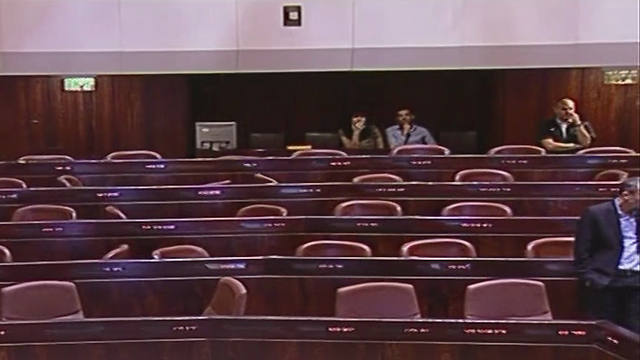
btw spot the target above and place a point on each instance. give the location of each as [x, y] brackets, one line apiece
[14, 117]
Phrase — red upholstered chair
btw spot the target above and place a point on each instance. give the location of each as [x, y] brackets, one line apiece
[611, 175]
[11, 183]
[507, 299]
[377, 300]
[134, 155]
[319, 153]
[606, 150]
[262, 210]
[45, 158]
[438, 248]
[263, 179]
[41, 300]
[113, 212]
[5, 255]
[121, 252]
[483, 175]
[180, 252]
[551, 247]
[43, 213]
[331, 248]
[420, 149]
[377, 178]
[517, 150]
[367, 208]
[487, 209]
[69, 181]
[236, 157]
[229, 299]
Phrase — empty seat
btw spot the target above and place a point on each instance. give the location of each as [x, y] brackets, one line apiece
[377, 178]
[229, 299]
[438, 248]
[551, 247]
[322, 140]
[483, 175]
[611, 175]
[134, 155]
[11, 183]
[41, 300]
[69, 181]
[113, 212]
[121, 252]
[507, 299]
[420, 149]
[5, 255]
[266, 141]
[180, 252]
[367, 208]
[45, 158]
[331, 248]
[517, 150]
[377, 300]
[261, 210]
[44, 213]
[606, 150]
[319, 153]
[487, 209]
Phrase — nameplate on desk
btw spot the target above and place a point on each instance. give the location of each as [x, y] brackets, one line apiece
[227, 266]
[158, 227]
[390, 189]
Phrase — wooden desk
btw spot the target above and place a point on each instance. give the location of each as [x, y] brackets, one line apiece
[319, 339]
[288, 286]
[493, 237]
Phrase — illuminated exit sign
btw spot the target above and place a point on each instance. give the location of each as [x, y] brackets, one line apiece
[79, 84]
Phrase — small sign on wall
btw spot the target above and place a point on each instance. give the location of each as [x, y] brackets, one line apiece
[620, 76]
[79, 84]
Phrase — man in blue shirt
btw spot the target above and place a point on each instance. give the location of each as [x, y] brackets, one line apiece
[406, 132]
[608, 259]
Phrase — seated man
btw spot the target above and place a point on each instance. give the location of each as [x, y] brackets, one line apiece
[406, 132]
[565, 133]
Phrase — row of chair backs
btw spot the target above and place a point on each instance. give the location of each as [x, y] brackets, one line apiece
[59, 300]
[117, 155]
[502, 299]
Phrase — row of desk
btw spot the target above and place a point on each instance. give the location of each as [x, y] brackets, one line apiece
[303, 338]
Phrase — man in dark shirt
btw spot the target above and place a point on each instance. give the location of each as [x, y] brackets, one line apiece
[565, 133]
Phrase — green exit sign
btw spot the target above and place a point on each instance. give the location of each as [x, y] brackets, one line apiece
[79, 84]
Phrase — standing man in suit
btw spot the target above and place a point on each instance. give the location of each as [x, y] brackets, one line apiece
[406, 132]
[566, 132]
[608, 259]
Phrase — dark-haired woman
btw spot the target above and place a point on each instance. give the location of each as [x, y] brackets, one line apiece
[360, 135]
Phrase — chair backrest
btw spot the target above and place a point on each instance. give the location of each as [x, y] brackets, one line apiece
[517, 150]
[507, 299]
[605, 150]
[229, 299]
[266, 140]
[236, 157]
[134, 155]
[367, 208]
[472, 208]
[113, 212]
[261, 210]
[438, 248]
[180, 252]
[611, 175]
[263, 179]
[218, 183]
[121, 252]
[420, 149]
[41, 300]
[331, 248]
[377, 178]
[69, 181]
[11, 183]
[44, 213]
[319, 153]
[322, 140]
[377, 300]
[551, 247]
[45, 158]
[483, 175]
[5, 255]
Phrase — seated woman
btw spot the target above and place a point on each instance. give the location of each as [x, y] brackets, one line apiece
[360, 135]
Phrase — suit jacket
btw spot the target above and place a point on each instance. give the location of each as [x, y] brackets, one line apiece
[598, 245]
